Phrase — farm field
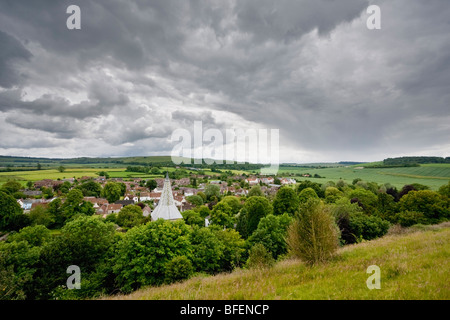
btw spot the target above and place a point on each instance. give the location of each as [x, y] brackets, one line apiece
[24, 176]
[434, 175]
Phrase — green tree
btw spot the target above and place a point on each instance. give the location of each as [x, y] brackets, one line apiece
[112, 192]
[192, 217]
[65, 187]
[195, 200]
[61, 169]
[75, 205]
[90, 188]
[11, 187]
[386, 207]
[222, 214]
[255, 191]
[433, 205]
[207, 249]
[256, 208]
[130, 216]
[286, 201]
[142, 255]
[55, 211]
[306, 194]
[212, 190]
[445, 190]
[332, 194]
[368, 227]
[241, 223]
[260, 257]
[203, 195]
[313, 185]
[234, 248]
[233, 202]
[83, 242]
[365, 199]
[36, 236]
[103, 174]
[151, 184]
[409, 218]
[271, 233]
[342, 211]
[18, 260]
[11, 214]
[155, 170]
[178, 269]
[123, 188]
[40, 216]
[47, 193]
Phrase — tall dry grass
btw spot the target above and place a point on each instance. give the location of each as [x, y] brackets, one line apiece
[313, 236]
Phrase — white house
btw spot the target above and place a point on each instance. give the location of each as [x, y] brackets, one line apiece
[252, 180]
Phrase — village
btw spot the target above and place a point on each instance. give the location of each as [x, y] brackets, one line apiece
[138, 193]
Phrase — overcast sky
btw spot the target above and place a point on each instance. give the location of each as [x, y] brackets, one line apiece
[137, 70]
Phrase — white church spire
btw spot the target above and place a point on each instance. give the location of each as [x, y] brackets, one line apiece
[166, 208]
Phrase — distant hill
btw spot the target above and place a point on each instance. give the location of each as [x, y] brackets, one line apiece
[10, 163]
[415, 160]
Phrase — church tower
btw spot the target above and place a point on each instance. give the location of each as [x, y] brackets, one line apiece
[166, 208]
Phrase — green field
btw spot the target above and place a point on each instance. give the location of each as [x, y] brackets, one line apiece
[413, 265]
[24, 176]
[432, 175]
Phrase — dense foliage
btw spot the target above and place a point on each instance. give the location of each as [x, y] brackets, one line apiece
[126, 250]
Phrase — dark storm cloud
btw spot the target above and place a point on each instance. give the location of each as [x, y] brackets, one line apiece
[286, 20]
[138, 69]
[12, 52]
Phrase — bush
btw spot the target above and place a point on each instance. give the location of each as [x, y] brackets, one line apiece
[144, 251]
[286, 201]
[18, 261]
[11, 214]
[192, 218]
[271, 233]
[207, 250]
[177, 269]
[234, 247]
[254, 209]
[433, 205]
[368, 227]
[83, 241]
[260, 257]
[306, 194]
[130, 216]
[366, 199]
[409, 218]
[342, 211]
[313, 235]
[35, 236]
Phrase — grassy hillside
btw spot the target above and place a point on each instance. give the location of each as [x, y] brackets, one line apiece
[414, 265]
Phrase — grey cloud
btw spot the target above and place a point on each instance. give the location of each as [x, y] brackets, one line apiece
[309, 68]
[287, 20]
[11, 51]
